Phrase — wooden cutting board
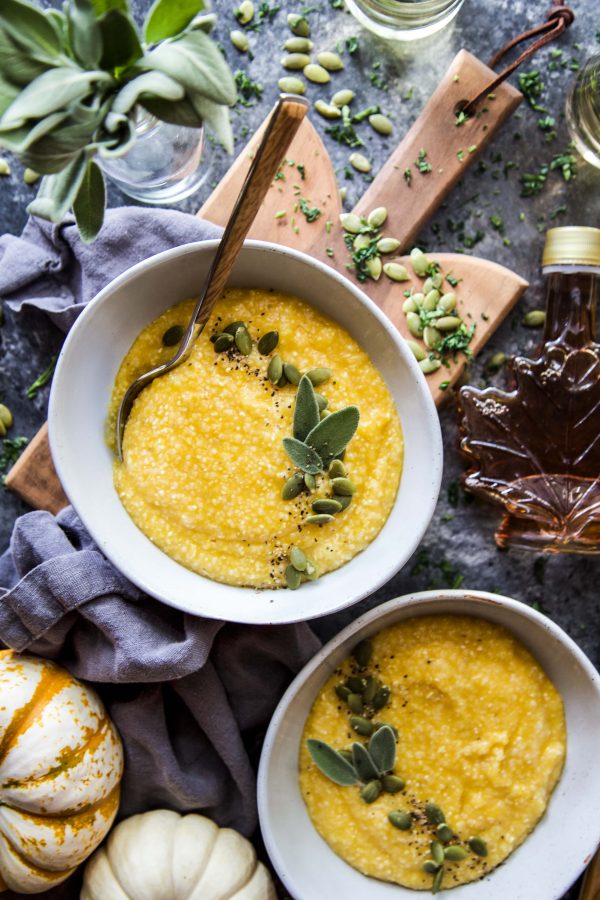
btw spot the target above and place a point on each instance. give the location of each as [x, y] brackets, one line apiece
[487, 291]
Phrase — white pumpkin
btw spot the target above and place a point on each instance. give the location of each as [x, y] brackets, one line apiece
[161, 855]
[61, 763]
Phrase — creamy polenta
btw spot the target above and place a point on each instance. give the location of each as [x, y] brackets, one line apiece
[481, 734]
[204, 464]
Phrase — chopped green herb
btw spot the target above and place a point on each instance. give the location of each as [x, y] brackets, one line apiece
[311, 214]
[337, 4]
[461, 118]
[302, 171]
[11, 450]
[408, 176]
[329, 251]
[455, 342]
[348, 173]
[532, 183]
[344, 132]
[328, 225]
[566, 162]
[408, 95]
[472, 148]
[452, 281]
[265, 13]
[376, 78]
[559, 211]
[443, 385]
[352, 45]
[421, 163]
[497, 223]
[248, 90]
[41, 380]
[460, 155]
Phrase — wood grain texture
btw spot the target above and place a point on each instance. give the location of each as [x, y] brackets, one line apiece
[590, 889]
[487, 292]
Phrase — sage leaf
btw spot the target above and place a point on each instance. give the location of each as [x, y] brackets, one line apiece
[17, 140]
[382, 748]
[196, 62]
[57, 192]
[331, 763]
[302, 456]
[216, 116]
[85, 36]
[17, 65]
[121, 45]
[121, 142]
[204, 22]
[8, 92]
[27, 24]
[306, 411]
[150, 83]
[89, 203]
[53, 90]
[166, 18]
[177, 112]
[333, 433]
[364, 765]
[103, 6]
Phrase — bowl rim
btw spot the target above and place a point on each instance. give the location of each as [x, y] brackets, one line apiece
[364, 624]
[379, 576]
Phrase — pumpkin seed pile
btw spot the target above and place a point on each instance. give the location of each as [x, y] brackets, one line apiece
[370, 767]
[300, 569]
[367, 245]
[6, 419]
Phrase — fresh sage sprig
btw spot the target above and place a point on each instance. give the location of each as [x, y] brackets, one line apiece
[72, 81]
[369, 766]
[316, 442]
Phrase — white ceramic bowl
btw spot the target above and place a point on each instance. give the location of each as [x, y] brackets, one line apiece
[81, 391]
[553, 855]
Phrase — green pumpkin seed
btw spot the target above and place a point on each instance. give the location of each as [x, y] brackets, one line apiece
[361, 242]
[291, 373]
[447, 302]
[239, 40]
[298, 45]
[372, 685]
[324, 413]
[401, 819]
[317, 74]
[359, 162]
[448, 323]
[268, 342]
[327, 110]
[330, 61]
[243, 341]
[381, 124]
[430, 867]
[357, 684]
[444, 833]
[428, 285]
[223, 342]
[377, 216]
[319, 375]
[4, 167]
[318, 519]
[355, 702]
[345, 501]
[437, 852]
[30, 176]
[361, 726]
[291, 85]
[396, 272]
[455, 853]
[431, 300]
[172, 336]
[535, 318]
[438, 280]
[437, 881]
[388, 245]
[327, 505]
[429, 366]
[434, 814]
[392, 784]
[343, 97]
[417, 350]
[282, 382]
[419, 262]
[322, 402]
[245, 12]
[431, 337]
[413, 321]
[6, 418]
[409, 305]
[362, 653]
[298, 25]
[495, 362]
[374, 267]
[275, 369]
[418, 297]
[233, 327]
[478, 846]
[371, 791]
[311, 570]
[293, 578]
[336, 469]
[310, 481]
[293, 486]
[295, 61]
[351, 223]
[2, 429]
[298, 559]
[342, 691]
[343, 486]
[382, 697]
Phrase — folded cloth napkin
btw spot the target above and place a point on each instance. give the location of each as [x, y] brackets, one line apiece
[188, 695]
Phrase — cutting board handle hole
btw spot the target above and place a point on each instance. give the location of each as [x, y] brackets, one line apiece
[460, 106]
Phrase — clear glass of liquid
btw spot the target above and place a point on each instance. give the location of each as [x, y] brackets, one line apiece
[583, 111]
[166, 164]
[404, 20]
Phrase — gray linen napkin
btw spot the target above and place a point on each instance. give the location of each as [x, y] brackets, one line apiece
[189, 696]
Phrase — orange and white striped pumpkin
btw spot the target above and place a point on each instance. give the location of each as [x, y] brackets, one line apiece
[61, 763]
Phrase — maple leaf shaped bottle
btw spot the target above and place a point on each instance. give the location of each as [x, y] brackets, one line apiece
[536, 449]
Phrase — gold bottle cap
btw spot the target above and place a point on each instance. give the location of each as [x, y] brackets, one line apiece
[572, 245]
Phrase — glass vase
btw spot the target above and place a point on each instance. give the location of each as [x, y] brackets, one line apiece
[583, 111]
[166, 164]
[404, 20]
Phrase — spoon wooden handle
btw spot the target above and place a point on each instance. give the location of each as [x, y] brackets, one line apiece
[283, 125]
[590, 889]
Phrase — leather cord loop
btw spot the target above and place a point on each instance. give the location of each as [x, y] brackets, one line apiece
[558, 20]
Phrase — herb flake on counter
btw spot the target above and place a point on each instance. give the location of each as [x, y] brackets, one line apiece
[532, 87]
[344, 132]
[11, 451]
[41, 380]
[248, 90]
[264, 14]
[376, 78]
[352, 45]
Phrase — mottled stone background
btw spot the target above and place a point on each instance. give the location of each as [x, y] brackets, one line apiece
[459, 545]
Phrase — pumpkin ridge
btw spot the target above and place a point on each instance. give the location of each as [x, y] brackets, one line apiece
[41, 873]
[22, 718]
[86, 811]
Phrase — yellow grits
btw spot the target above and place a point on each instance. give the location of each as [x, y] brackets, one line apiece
[204, 462]
[481, 734]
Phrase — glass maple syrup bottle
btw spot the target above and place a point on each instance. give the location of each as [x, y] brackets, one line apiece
[536, 449]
